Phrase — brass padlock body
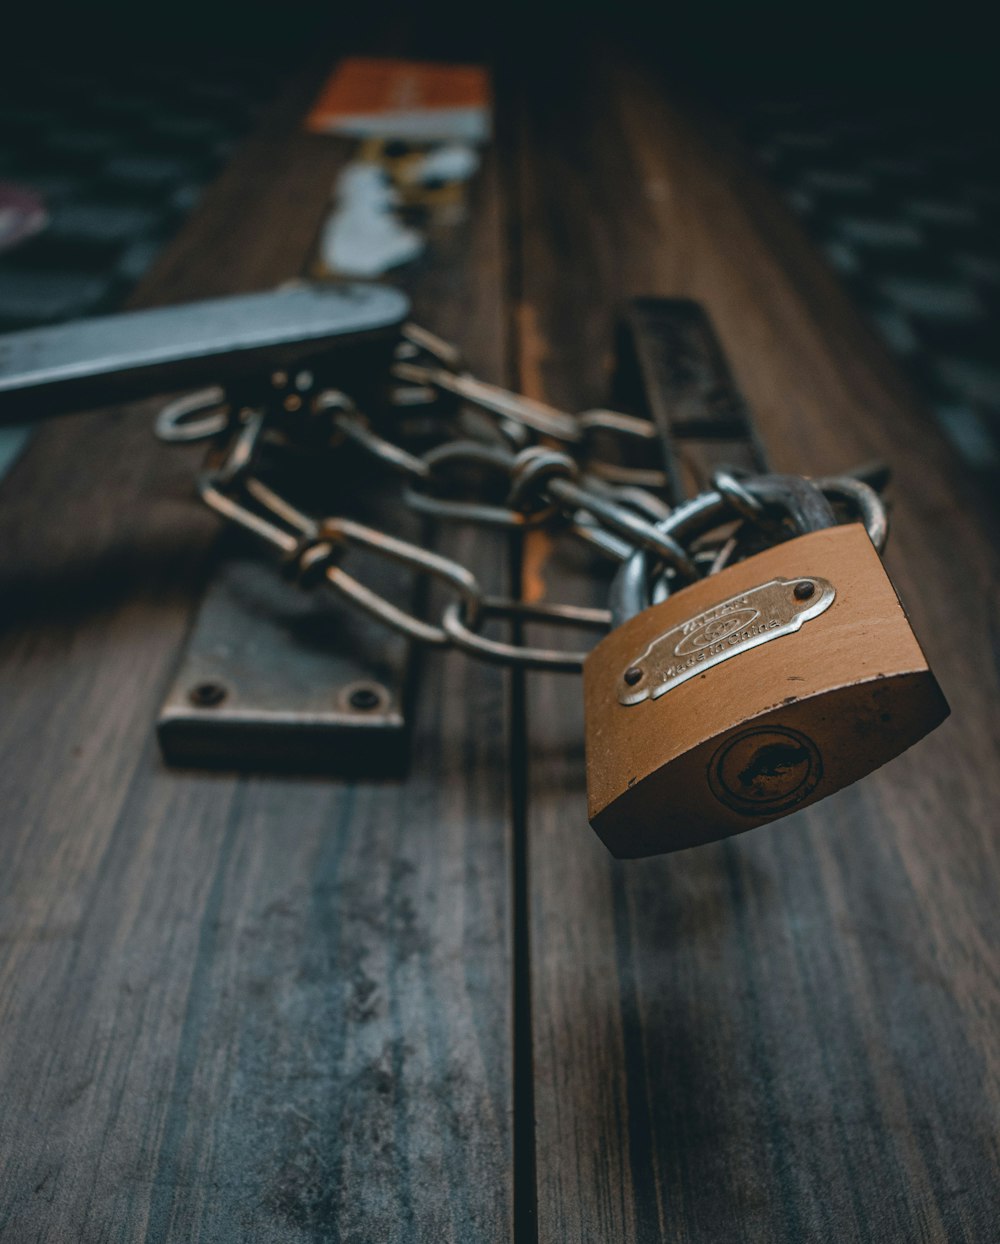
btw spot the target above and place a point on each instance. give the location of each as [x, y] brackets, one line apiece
[744, 720]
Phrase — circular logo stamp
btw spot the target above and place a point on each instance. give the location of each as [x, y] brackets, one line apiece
[716, 631]
[765, 769]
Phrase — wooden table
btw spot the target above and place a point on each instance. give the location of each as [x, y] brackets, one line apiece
[277, 1009]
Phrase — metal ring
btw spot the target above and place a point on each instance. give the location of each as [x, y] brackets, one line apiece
[501, 653]
[534, 469]
[222, 504]
[654, 538]
[606, 542]
[630, 586]
[634, 477]
[312, 560]
[446, 353]
[471, 511]
[871, 509]
[477, 452]
[739, 497]
[280, 508]
[175, 424]
[504, 403]
[385, 451]
[409, 396]
[242, 449]
[348, 532]
[618, 549]
[494, 457]
[618, 423]
[639, 499]
[334, 399]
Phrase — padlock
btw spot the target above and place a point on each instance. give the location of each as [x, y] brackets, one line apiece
[754, 692]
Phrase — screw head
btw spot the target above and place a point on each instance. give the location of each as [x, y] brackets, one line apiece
[804, 590]
[364, 699]
[633, 675]
[207, 694]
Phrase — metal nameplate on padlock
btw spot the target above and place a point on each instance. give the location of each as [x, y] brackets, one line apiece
[699, 726]
[733, 626]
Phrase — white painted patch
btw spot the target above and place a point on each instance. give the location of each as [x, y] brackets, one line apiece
[362, 236]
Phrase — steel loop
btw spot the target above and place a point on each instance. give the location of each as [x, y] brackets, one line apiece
[869, 505]
[630, 589]
[463, 635]
[623, 522]
[176, 423]
[541, 418]
[533, 472]
[334, 399]
[410, 396]
[313, 559]
[225, 505]
[496, 458]
[585, 528]
[618, 423]
[446, 353]
[590, 530]
[638, 477]
[478, 453]
[639, 499]
[471, 511]
[243, 449]
[356, 429]
[739, 497]
[354, 534]
[280, 508]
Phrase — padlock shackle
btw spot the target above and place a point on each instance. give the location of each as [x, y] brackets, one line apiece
[801, 499]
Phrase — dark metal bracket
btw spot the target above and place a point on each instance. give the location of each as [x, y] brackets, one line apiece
[273, 677]
[672, 367]
[277, 677]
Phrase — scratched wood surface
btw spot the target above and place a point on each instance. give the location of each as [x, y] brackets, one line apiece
[288, 1010]
[792, 1035]
[238, 1008]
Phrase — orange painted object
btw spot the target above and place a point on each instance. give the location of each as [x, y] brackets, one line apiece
[369, 87]
[728, 736]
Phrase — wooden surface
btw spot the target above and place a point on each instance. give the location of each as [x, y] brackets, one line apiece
[791, 1035]
[238, 1008]
[436, 1009]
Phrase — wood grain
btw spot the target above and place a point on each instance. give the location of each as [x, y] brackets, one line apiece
[289, 1010]
[239, 1008]
[791, 1035]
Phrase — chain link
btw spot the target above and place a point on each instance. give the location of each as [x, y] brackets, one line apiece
[570, 488]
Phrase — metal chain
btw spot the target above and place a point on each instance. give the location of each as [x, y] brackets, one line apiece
[569, 488]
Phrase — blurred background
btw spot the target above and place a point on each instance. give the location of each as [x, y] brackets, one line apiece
[876, 124]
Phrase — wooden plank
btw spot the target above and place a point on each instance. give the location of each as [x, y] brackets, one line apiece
[238, 1008]
[791, 1035]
